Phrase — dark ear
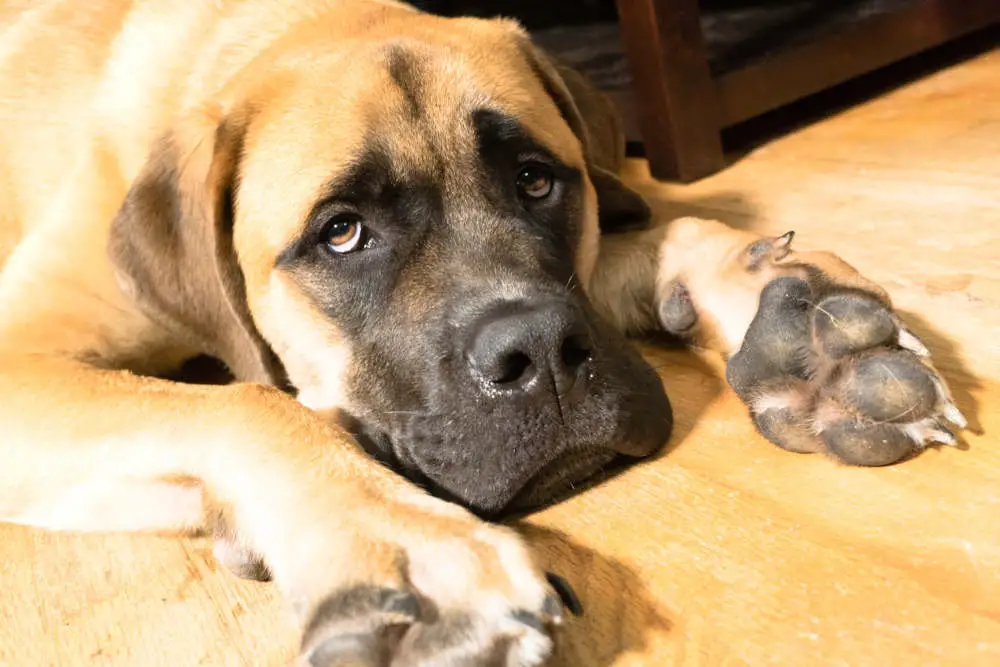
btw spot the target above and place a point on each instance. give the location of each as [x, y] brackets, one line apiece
[592, 117]
[172, 247]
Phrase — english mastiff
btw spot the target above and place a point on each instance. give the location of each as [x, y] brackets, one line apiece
[405, 238]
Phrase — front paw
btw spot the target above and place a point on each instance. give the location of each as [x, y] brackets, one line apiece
[828, 368]
[457, 592]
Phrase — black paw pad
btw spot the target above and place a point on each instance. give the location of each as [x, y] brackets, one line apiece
[777, 342]
[677, 313]
[860, 444]
[788, 429]
[889, 387]
[851, 322]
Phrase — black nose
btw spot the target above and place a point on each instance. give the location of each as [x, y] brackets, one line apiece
[530, 347]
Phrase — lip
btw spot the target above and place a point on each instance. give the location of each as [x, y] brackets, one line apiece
[616, 430]
[566, 476]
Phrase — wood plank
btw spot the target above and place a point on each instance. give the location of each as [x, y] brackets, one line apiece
[725, 550]
[777, 80]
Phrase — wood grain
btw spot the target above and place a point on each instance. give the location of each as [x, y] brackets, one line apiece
[875, 42]
[723, 551]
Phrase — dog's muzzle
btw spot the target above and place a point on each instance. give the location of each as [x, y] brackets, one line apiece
[527, 401]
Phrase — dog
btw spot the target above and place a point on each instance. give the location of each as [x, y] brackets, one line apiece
[406, 239]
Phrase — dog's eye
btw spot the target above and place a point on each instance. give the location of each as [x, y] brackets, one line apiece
[535, 181]
[344, 233]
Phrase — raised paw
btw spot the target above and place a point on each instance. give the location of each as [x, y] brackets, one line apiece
[830, 368]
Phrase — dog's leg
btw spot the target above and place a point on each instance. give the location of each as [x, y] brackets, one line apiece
[814, 349]
[372, 566]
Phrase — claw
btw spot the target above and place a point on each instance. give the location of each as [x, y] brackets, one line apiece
[553, 609]
[930, 430]
[785, 240]
[534, 644]
[954, 415]
[908, 341]
[769, 249]
[948, 408]
[946, 405]
[942, 435]
[566, 593]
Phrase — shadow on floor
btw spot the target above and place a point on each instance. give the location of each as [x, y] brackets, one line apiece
[619, 613]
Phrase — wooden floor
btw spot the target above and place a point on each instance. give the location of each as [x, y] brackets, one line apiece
[724, 551]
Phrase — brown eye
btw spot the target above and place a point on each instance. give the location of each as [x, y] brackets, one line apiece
[535, 181]
[344, 233]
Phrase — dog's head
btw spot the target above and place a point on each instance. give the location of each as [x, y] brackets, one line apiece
[403, 226]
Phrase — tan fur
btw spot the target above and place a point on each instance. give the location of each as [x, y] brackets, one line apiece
[89, 92]
[709, 257]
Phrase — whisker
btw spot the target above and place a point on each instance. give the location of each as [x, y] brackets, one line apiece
[834, 320]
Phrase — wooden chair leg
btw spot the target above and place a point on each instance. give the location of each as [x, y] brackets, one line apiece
[678, 107]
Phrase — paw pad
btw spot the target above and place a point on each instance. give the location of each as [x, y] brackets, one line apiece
[847, 323]
[888, 386]
[777, 343]
[841, 376]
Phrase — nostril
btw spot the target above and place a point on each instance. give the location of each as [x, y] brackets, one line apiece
[512, 368]
[575, 351]
[528, 348]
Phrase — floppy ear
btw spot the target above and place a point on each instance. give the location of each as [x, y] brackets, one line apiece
[172, 247]
[592, 117]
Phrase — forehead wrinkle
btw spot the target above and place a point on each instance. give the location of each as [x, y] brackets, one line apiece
[515, 90]
[434, 136]
[493, 70]
[405, 71]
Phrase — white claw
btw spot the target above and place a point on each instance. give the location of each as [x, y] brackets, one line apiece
[942, 435]
[926, 431]
[954, 415]
[908, 341]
